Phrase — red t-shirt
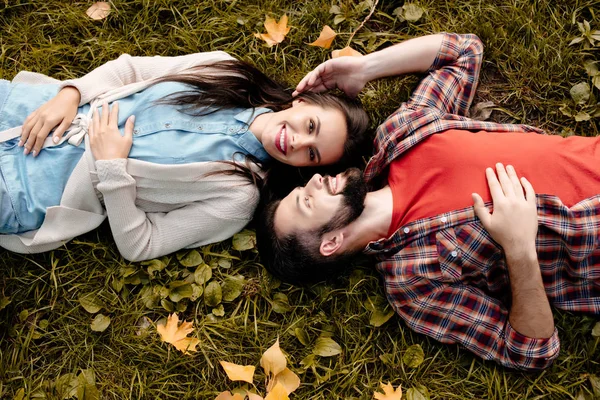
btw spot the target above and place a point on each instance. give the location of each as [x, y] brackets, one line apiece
[439, 174]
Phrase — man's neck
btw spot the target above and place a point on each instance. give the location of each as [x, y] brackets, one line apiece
[373, 223]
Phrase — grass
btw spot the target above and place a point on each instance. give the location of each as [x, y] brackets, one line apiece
[45, 332]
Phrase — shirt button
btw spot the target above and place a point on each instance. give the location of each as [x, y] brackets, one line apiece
[406, 230]
[200, 127]
[443, 219]
[136, 131]
[231, 129]
[454, 253]
[168, 125]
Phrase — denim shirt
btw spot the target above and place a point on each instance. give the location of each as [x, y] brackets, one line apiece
[162, 134]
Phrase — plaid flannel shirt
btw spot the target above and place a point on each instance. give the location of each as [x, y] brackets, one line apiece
[445, 276]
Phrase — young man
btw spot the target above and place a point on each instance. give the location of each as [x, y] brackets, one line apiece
[452, 270]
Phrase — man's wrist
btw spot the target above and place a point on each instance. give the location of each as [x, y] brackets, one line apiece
[526, 253]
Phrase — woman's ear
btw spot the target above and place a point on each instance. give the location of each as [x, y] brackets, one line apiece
[331, 243]
[296, 102]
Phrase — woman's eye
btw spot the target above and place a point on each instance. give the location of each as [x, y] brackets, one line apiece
[311, 154]
[311, 126]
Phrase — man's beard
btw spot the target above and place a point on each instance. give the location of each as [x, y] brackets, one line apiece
[353, 201]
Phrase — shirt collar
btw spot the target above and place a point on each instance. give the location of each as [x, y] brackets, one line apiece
[247, 140]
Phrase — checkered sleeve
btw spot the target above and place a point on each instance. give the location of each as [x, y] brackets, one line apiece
[465, 315]
[452, 78]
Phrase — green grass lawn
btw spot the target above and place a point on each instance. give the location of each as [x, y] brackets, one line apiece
[45, 333]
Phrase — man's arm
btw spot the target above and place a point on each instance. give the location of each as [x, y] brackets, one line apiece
[350, 74]
[513, 224]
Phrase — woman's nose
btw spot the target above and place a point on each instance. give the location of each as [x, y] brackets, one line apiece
[300, 141]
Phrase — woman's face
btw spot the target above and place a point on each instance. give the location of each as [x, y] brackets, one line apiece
[305, 135]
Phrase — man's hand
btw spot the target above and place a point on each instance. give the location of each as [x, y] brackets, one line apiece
[106, 141]
[344, 73]
[513, 223]
[57, 113]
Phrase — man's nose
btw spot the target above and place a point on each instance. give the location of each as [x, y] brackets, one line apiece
[316, 182]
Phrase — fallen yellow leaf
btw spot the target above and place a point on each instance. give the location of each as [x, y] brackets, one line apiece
[289, 380]
[273, 361]
[98, 10]
[276, 31]
[228, 396]
[176, 335]
[388, 393]
[325, 38]
[346, 51]
[253, 396]
[278, 393]
[238, 372]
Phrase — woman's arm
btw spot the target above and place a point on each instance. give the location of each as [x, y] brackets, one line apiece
[58, 113]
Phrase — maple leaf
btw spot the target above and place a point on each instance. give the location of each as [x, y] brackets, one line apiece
[98, 10]
[226, 395]
[176, 335]
[289, 380]
[273, 361]
[346, 51]
[325, 38]
[388, 393]
[276, 31]
[237, 372]
[278, 393]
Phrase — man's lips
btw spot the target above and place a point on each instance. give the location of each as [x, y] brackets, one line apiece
[281, 140]
[333, 184]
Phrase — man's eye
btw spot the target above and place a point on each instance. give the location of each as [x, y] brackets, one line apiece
[306, 201]
[311, 154]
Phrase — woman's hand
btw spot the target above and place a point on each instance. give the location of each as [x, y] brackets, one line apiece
[57, 113]
[106, 141]
[344, 73]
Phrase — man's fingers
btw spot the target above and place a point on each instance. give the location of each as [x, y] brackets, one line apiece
[494, 185]
[514, 179]
[505, 182]
[529, 192]
[482, 212]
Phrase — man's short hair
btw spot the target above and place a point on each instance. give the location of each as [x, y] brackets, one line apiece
[296, 257]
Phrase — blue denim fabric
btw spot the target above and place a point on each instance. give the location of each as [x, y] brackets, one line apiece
[162, 135]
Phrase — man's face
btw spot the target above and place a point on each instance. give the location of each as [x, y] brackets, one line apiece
[324, 204]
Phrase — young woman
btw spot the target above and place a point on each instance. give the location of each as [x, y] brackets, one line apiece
[174, 163]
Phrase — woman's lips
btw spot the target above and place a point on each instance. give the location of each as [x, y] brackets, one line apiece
[281, 140]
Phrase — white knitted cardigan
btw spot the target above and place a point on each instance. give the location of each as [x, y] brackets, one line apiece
[152, 209]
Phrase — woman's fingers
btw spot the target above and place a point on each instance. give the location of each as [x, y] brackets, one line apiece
[113, 117]
[105, 114]
[40, 138]
[129, 124]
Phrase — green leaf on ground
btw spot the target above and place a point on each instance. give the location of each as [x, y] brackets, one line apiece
[280, 303]
[419, 392]
[4, 301]
[202, 274]
[245, 240]
[91, 303]
[414, 356]
[596, 330]
[180, 290]
[100, 323]
[232, 287]
[212, 294]
[580, 93]
[219, 311]
[326, 347]
[380, 317]
[190, 259]
[154, 266]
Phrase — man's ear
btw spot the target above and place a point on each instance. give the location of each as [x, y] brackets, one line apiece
[296, 102]
[331, 243]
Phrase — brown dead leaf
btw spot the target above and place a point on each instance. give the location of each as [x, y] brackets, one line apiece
[289, 380]
[273, 361]
[176, 335]
[98, 10]
[276, 31]
[237, 372]
[325, 38]
[388, 393]
[278, 393]
[346, 51]
[228, 396]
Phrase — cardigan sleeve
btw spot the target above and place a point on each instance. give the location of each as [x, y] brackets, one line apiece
[224, 211]
[128, 69]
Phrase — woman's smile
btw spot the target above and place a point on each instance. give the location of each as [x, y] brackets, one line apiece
[281, 140]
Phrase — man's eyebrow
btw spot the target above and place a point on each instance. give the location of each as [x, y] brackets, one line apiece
[317, 153]
[300, 209]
